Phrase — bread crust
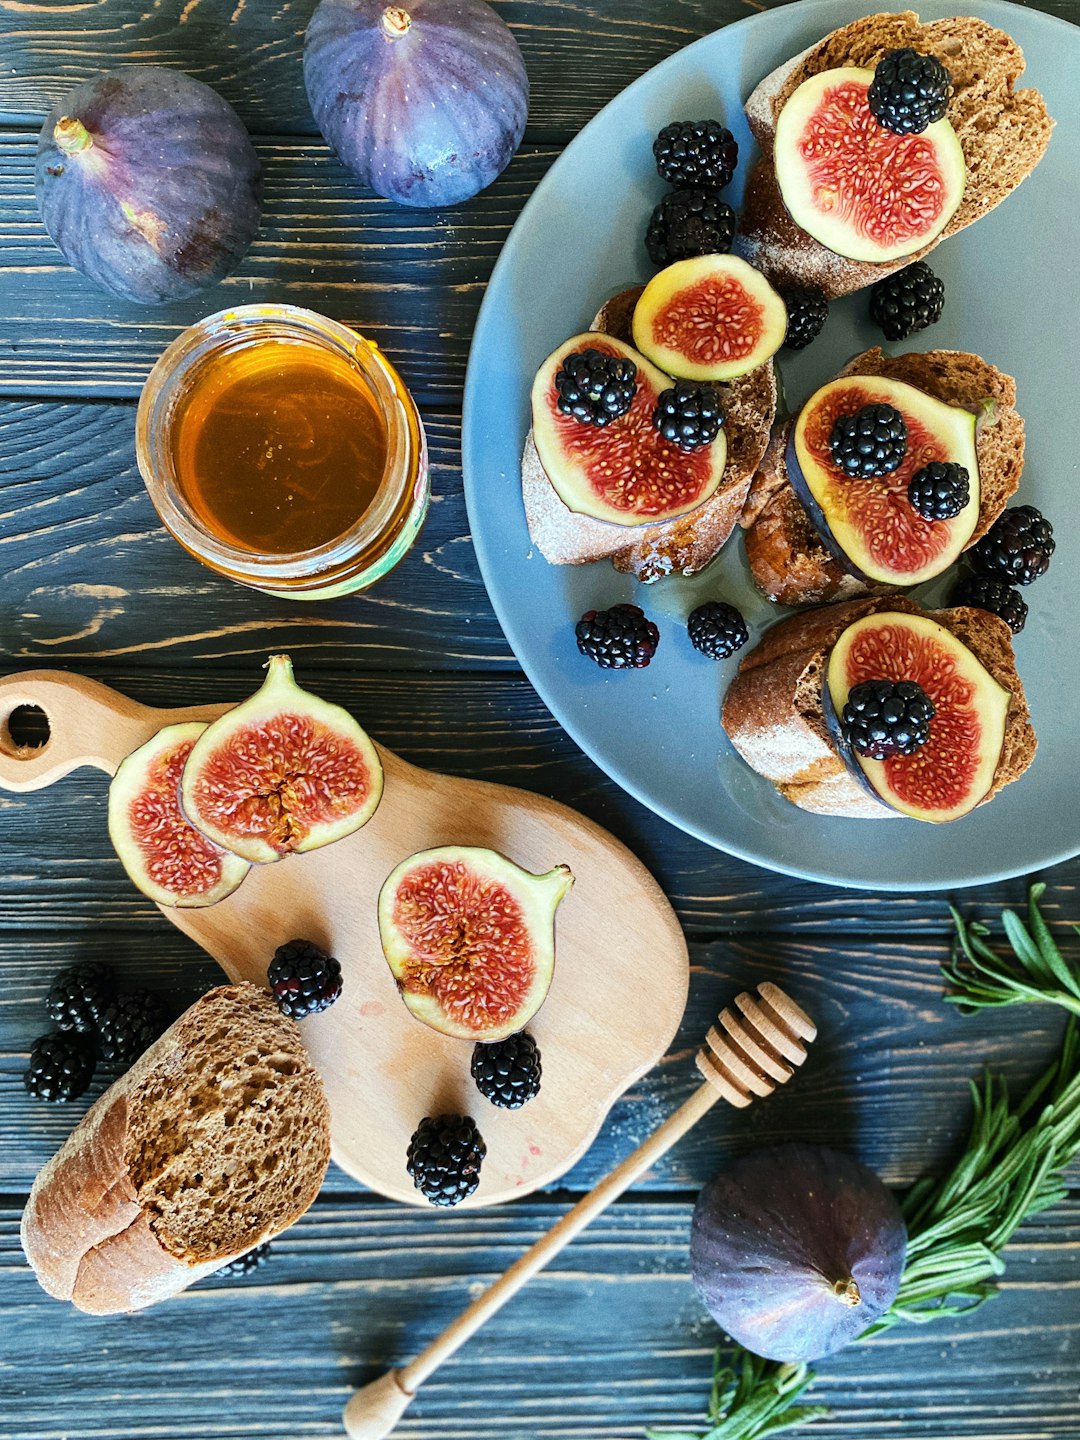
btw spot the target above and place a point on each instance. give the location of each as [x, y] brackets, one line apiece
[787, 558]
[773, 713]
[1003, 132]
[684, 544]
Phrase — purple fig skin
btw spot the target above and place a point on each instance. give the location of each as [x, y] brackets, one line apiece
[425, 102]
[151, 187]
[796, 1250]
[843, 745]
[814, 510]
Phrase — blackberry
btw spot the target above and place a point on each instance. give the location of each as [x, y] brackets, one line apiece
[246, 1264]
[696, 152]
[508, 1072]
[621, 638]
[689, 414]
[993, 595]
[1016, 548]
[596, 388]
[909, 91]
[871, 442]
[807, 311]
[61, 1066]
[132, 1022]
[689, 222]
[717, 629]
[887, 717]
[303, 978]
[909, 301]
[939, 490]
[80, 995]
[445, 1155]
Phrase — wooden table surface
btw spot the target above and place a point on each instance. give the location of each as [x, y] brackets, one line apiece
[612, 1337]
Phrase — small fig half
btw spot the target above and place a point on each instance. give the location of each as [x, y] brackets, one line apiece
[470, 939]
[166, 857]
[284, 772]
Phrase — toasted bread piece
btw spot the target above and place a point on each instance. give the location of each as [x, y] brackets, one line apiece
[787, 557]
[773, 714]
[686, 543]
[1003, 132]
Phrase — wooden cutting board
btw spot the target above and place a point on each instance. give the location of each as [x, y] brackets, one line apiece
[621, 971]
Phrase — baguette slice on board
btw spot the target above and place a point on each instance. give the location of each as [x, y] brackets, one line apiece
[621, 971]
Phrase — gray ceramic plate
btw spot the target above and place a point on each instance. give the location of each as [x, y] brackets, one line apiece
[1013, 295]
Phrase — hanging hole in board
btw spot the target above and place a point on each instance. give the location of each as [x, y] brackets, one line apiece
[24, 732]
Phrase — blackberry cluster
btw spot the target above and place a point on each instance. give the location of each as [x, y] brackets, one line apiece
[717, 629]
[807, 311]
[621, 638]
[696, 152]
[689, 414]
[909, 91]
[61, 1066]
[246, 1264]
[907, 301]
[1017, 547]
[508, 1072]
[303, 978]
[993, 595]
[871, 442]
[80, 995]
[940, 490]
[887, 717]
[689, 222]
[596, 388]
[131, 1023]
[445, 1155]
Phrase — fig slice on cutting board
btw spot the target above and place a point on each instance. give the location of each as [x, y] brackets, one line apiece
[626, 472]
[855, 186]
[284, 772]
[869, 524]
[167, 858]
[947, 776]
[711, 318]
[470, 939]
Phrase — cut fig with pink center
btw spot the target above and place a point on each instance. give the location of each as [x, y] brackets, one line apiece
[470, 939]
[954, 769]
[626, 472]
[166, 857]
[711, 318]
[855, 186]
[284, 772]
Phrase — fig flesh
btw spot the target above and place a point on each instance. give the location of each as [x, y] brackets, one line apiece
[870, 524]
[954, 770]
[167, 858]
[711, 318]
[470, 939]
[625, 473]
[796, 1250]
[858, 188]
[284, 772]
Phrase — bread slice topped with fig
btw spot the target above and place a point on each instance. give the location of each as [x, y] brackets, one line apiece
[877, 708]
[883, 98]
[887, 474]
[648, 429]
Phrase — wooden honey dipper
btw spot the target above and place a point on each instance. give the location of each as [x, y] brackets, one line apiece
[758, 1044]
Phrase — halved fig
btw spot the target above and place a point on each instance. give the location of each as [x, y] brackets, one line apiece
[166, 857]
[470, 939]
[949, 774]
[712, 318]
[283, 772]
[626, 472]
[855, 186]
[870, 525]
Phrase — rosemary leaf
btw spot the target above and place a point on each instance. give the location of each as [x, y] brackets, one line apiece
[1036, 971]
[751, 1397]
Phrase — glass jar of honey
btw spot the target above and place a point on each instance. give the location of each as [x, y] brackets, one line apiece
[283, 450]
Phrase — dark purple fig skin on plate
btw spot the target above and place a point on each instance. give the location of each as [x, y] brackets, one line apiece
[151, 184]
[779, 1237]
[425, 102]
[814, 510]
[843, 745]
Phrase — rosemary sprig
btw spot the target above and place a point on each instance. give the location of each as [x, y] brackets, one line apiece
[751, 1397]
[1036, 970]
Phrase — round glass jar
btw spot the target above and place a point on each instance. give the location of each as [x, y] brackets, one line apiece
[188, 380]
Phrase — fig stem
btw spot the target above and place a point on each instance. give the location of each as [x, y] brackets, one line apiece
[71, 135]
[847, 1291]
[396, 22]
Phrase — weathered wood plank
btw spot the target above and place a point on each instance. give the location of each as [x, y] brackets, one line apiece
[609, 1340]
